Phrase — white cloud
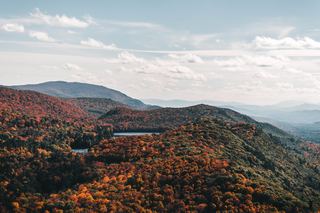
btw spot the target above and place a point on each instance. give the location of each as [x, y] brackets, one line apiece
[168, 69]
[272, 27]
[90, 20]
[97, 44]
[285, 43]
[71, 32]
[59, 20]
[11, 27]
[126, 57]
[233, 62]
[41, 36]
[50, 67]
[148, 68]
[182, 72]
[196, 40]
[285, 86]
[71, 67]
[253, 60]
[259, 81]
[87, 77]
[285, 31]
[263, 75]
[108, 72]
[187, 58]
[132, 24]
[201, 38]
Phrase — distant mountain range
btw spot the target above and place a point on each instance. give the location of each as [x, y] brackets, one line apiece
[302, 113]
[186, 103]
[295, 117]
[80, 90]
[217, 158]
[125, 119]
[299, 118]
[288, 111]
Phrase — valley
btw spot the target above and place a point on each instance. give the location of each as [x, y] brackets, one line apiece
[165, 106]
[59, 154]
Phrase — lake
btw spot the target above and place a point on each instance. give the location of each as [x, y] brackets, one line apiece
[123, 134]
[80, 151]
[118, 134]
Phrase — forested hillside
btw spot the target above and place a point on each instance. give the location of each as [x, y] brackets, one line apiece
[208, 159]
[97, 106]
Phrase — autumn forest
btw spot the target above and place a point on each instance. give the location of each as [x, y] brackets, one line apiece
[205, 159]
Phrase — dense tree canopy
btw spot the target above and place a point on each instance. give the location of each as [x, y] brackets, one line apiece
[202, 163]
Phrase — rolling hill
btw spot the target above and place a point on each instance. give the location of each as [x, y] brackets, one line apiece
[97, 106]
[124, 119]
[29, 118]
[82, 90]
[34, 104]
[209, 165]
[298, 118]
[208, 159]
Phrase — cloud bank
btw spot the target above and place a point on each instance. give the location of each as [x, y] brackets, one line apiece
[11, 27]
[59, 20]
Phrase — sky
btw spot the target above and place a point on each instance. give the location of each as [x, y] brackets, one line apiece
[253, 52]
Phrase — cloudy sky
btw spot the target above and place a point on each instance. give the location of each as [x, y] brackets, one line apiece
[257, 52]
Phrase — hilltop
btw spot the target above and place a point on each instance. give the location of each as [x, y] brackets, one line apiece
[207, 159]
[204, 166]
[35, 104]
[31, 119]
[97, 106]
[82, 90]
[125, 119]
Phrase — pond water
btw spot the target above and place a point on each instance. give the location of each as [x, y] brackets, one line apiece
[122, 134]
[117, 134]
[80, 151]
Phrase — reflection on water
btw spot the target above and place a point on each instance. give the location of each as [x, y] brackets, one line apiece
[80, 151]
[117, 134]
[121, 134]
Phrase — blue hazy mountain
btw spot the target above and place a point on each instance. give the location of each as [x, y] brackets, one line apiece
[77, 90]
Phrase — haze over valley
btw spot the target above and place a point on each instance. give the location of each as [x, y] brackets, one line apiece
[171, 106]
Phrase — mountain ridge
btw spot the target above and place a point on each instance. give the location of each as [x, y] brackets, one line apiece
[208, 159]
[124, 119]
[81, 90]
[35, 104]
